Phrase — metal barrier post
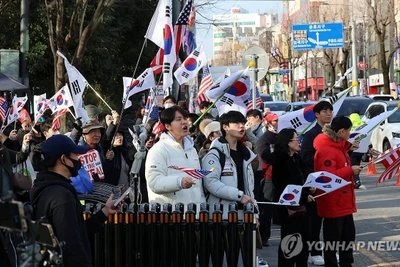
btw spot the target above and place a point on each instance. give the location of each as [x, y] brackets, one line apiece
[165, 257]
[204, 242]
[109, 242]
[217, 254]
[129, 226]
[152, 236]
[248, 249]
[232, 253]
[177, 235]
[98, 254]
[190, 247]
[139, 235]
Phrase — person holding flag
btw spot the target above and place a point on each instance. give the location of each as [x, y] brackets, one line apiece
[337, 208]
[288, 168]
[323, 111]
[167, 185]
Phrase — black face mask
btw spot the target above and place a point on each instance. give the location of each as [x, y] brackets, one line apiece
[73, 170]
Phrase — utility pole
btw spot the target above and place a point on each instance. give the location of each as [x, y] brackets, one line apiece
[354, 55]
[24, 41]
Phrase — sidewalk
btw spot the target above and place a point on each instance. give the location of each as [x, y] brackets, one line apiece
[377, 220]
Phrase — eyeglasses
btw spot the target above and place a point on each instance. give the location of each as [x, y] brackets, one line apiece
[295, 140]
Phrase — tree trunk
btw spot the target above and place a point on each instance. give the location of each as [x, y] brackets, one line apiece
[385, 67]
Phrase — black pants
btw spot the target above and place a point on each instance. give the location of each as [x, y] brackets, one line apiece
[339, 229]
[315, 223]
[298, 229]
[355, 159]
[266, 213]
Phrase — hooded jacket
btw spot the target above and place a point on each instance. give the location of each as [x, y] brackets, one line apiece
[332, 156]
[54, 197]
[163, 183]
[223, 184]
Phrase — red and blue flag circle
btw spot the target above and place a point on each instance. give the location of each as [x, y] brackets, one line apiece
[39, 106]
[288, 196]
[309, 114]
[167, 40]
[323, 180]
[59, 100]
[238, 89]
[190, 64]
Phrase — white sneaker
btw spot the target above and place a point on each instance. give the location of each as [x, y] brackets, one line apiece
[362, 187]
[337, 254]
[316, 260]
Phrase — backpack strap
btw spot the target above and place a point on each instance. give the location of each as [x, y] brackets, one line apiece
[221, 157]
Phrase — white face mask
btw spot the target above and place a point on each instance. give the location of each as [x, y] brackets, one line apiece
[168, 105]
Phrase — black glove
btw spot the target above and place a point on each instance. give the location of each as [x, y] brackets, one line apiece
[78, 124]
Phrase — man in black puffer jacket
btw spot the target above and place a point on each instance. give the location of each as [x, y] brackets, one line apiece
[54, 197]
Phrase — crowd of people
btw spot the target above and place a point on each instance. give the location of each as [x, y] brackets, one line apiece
[250, 159]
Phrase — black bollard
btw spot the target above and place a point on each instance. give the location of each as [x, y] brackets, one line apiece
[204, 242]
[176, 244]
[217, 249]
[248, 248]
[165, 257]
[98, 248]
[119, 238]
[140, 227]
[233, 248]
[152, 243]
[109, 242]
[130, 234]
[190, 246]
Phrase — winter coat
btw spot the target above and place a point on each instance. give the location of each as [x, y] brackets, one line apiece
[163, 183]
[255, 132]
[263, 149]
[307, 151]
[54, 197]
[222, 185]
[332, 156]
[288, 170]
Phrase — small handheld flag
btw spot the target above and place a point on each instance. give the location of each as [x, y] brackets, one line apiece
[195, 173]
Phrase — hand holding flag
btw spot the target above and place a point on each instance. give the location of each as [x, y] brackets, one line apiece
[195, 173]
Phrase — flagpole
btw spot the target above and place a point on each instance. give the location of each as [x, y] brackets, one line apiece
[70, 112]
[126, 95]
[99, 96]
[215, 102]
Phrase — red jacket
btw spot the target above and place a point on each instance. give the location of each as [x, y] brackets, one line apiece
[332, 156]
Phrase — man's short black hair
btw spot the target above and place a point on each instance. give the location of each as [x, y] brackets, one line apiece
[193, 116]
[169, 97]
[322, 105]
[168, 115]
[231, 117]
[340, 122]
[254, 113]
[204, 104]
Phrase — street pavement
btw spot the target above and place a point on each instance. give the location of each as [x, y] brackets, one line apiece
[377, 219]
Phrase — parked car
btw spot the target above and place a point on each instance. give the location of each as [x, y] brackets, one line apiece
[277, 107]
[381, 97]
[266, 97]
[387, 134]
[352, 103]
[293, 106]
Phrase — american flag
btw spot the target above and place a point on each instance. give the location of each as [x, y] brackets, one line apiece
[56, 121]
[206, 83]
[391, 163]
[179, 32]
[158, 127]
[195, 173]
[3, 109]
[259, 102]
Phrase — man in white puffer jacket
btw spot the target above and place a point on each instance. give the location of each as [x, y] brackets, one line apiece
[175, 148]
[235, 181]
